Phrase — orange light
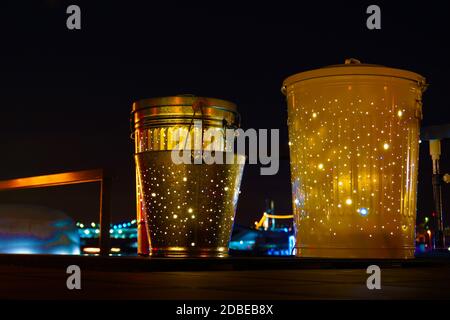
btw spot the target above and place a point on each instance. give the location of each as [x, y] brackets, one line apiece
[91, 250]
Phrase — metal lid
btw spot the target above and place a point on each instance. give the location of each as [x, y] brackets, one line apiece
[354, 67]
[183, 100]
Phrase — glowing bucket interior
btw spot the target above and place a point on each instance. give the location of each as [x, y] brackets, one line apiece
[188, 208]
[354, 139]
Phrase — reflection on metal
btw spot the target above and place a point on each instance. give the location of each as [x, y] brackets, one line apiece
[189, 208]
[143, 245]
[67, 178]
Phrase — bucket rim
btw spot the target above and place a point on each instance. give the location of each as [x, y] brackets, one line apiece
[352, 69]
[182, 100]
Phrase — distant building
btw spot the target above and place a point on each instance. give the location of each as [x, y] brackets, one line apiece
[278, 240]
[37, 230]
[123, 238]
[273, 235]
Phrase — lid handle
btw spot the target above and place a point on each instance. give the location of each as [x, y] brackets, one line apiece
[352, 61]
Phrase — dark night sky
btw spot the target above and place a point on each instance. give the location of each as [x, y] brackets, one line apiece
[65, 96]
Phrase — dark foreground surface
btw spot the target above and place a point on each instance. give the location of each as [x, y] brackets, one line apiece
[44, 277]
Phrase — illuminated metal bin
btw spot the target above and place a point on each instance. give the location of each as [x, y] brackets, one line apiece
[354, 140]
[188, 209]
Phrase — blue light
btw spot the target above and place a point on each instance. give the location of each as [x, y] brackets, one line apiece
[291, 245]
[363, 211]
[20, 251]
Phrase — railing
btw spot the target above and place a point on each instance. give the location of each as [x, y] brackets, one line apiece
[74, 177]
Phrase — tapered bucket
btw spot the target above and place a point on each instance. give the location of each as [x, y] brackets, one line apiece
[188, 207]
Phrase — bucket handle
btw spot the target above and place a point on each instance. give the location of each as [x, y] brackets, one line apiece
[422, 87]
[197, 105]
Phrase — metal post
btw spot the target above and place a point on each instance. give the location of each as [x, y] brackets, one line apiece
[435, 152]
[105, 215]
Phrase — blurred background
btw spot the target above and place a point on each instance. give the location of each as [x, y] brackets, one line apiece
[65, 95]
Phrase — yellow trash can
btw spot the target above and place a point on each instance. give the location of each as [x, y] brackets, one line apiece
[354, 147]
